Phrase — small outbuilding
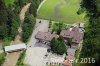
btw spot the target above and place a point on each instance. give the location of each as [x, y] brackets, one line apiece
[71, 52]
[67, 63]
[16, 47]
[82, 25]
[70, 58]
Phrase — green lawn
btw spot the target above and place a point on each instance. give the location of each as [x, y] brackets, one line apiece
[61, 10]
[7, 2]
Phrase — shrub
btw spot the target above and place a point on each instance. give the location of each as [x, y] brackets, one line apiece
[21, 59]
[6, 41]
[2, 58]
[58, 27]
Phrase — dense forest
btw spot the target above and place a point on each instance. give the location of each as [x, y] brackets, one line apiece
[91, 44]
[30, 18]
[10, 21]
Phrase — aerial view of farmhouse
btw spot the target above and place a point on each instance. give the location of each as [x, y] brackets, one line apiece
[49, 32]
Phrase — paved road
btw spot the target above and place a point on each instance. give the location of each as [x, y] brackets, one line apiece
[34, 55]
[12, 58]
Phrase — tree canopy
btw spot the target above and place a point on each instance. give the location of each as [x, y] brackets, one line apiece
[58, 27]
[91, 43]
[28, 27]
[58, 46]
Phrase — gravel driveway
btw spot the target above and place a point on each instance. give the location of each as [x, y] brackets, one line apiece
[34, 55]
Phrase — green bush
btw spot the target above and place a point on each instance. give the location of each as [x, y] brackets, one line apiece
[6, 41]
[50, 23]
[2, 58]
[21, 59]
[58, 27]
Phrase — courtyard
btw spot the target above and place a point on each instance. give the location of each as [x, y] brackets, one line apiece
[35, 53]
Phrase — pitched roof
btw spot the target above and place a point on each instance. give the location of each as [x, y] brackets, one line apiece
[71, 51]
[65, 33]
[73, 33]
[15, 47]
[70, 57]
[44, 36]
[73, 45]
[67, 63]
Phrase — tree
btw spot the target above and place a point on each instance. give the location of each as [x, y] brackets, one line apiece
[61, 49]
[92, 35]
[2, 5]
[12, 23]
[34, 6]
[50, 23]
[2, 58]
[14, 28]
[9, 20]
[28, 27]
[32, 9]
[54, 45]
[3, 17]
[58, 27]
[3, 32]
[69, 41]
[3, 12]
[21, 3]
[58, 46]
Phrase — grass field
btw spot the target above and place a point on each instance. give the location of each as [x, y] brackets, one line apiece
[7, 2]
[61, 10]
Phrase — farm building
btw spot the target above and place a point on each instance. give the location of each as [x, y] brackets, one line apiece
[13, 48]
[67, 63]
[73, 33]
[45, 37]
